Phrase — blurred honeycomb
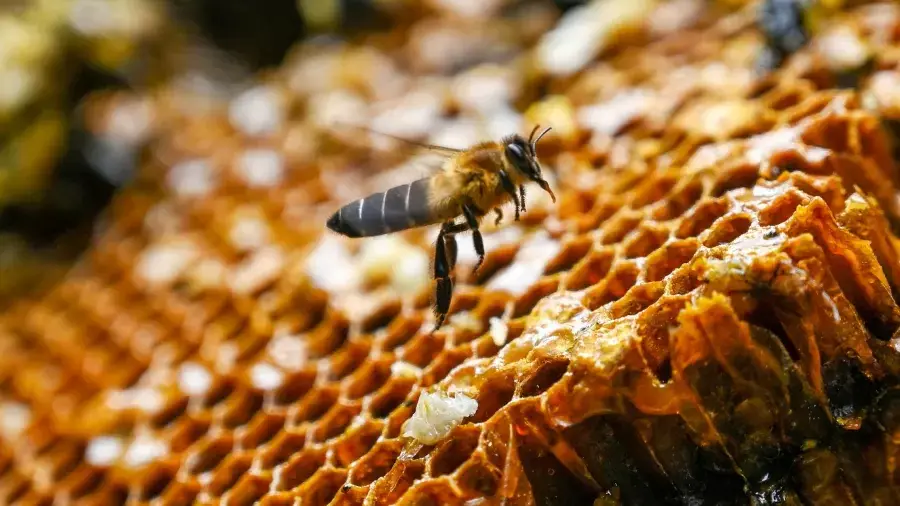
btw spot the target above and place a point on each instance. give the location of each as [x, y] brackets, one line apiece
[37, 38]
[707, 316]
[54, 176]
[53, 51]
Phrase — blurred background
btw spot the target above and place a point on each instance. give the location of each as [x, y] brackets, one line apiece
[83, 83]
[63, 67]
[99, 94]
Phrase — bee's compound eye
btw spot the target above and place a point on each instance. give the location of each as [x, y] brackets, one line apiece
[518, 157]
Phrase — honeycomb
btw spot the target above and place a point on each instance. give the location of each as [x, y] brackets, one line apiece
[707, 315]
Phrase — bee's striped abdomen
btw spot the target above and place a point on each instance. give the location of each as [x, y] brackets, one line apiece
[400, 208]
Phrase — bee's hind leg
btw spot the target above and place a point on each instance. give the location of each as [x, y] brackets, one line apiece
[444, 261]
[445, 258]
[471, 214]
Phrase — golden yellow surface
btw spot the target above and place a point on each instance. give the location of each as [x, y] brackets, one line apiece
[718, 271]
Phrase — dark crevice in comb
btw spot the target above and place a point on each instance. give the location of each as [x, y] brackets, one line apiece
[618, 460]
[552, 484]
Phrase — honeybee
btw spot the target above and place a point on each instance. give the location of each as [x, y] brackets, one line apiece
[471, 183]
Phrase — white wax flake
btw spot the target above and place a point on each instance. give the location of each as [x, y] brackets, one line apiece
[465, 320]
[707, 156]
[437, 414]
[411, 274]
[393, 259]
[192, 178]
[879, 22]
[331, 267]
[720, 79]
[843, 49]
[104, 451]
[14, 418]
[143, 450]
[358, 421]
[722, 272]
[335, 108]
[403, 369]
[288, 351]
[416, 113]
[611, 116]
[266, 376]
[194, 379]
[857, 202]
[502, 121]
[257, 111]
[584, 31]
[528, 265]
[885, 88]
[261, 268]
[499, 331]
[146, 399]
[130, 122]
[249, 232]
[484, 89]
[261, 168]
[456, 134]
[315, 72]
[378, 256]
[164, 263]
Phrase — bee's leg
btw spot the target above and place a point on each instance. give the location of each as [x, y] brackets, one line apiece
[499, 214]
[444, 261]
[472, 213]
[522, 197]
[510, 188]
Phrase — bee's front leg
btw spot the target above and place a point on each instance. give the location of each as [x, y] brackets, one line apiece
[471, 214]
[522, 197]
[510, 188]
[444, 261]
[499, 213]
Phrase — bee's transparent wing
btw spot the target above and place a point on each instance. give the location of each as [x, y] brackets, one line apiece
[419, 165]
[411, 143]
[430, 147]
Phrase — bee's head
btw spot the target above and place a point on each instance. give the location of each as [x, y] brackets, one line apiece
[523, 156]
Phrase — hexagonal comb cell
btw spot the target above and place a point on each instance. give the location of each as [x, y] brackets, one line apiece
[707, 314]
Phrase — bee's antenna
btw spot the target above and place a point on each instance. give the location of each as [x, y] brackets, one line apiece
[535, 129]
[534, 142]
